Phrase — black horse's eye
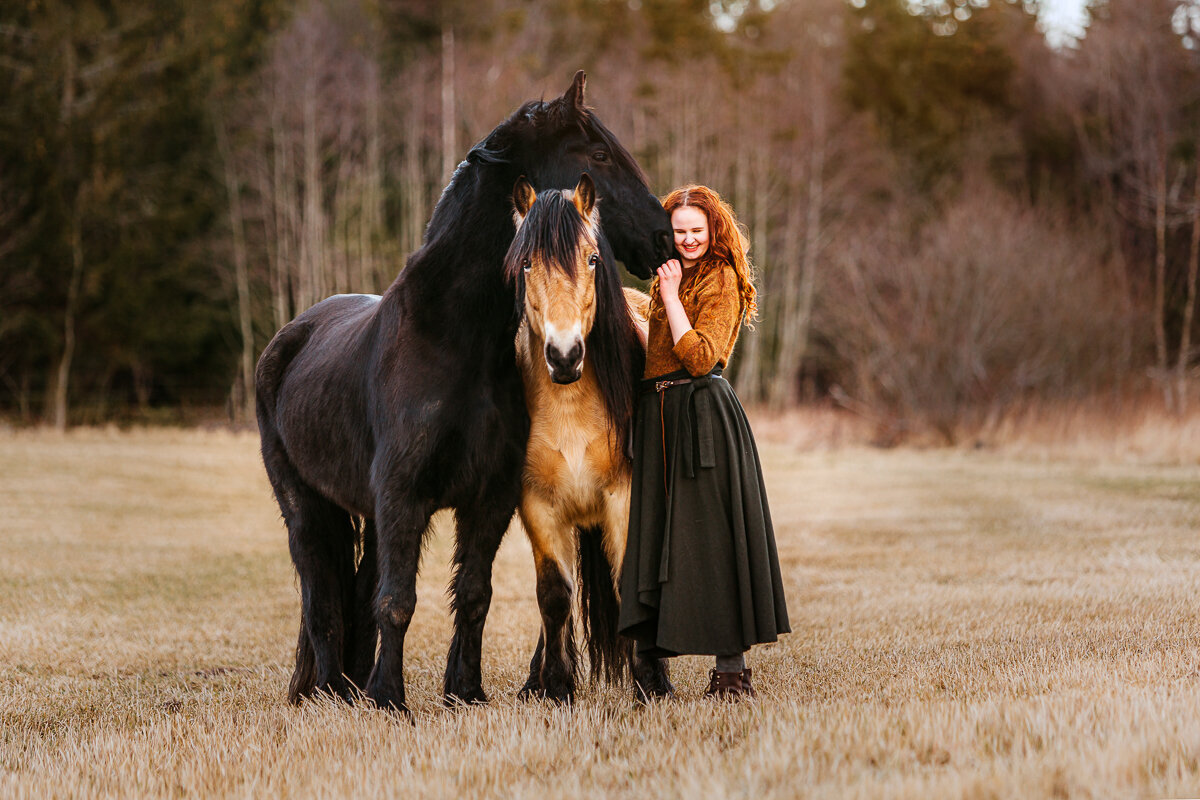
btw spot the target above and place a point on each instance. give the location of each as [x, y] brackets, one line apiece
[593, 260]
[600, 155]
[525, 264]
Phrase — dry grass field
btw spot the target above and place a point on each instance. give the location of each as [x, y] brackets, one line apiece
[968, 623]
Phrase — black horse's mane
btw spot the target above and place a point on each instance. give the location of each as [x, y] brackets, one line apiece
[553, 229]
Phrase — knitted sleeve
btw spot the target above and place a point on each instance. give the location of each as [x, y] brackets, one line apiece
[715, 311]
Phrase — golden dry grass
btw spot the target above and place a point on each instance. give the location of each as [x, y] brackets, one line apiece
[967, 624]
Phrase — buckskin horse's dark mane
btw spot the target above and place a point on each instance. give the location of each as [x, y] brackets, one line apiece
[554, 228]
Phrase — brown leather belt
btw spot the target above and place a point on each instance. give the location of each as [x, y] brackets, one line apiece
[660, 385]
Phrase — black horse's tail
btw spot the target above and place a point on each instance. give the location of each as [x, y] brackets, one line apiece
[610, 653]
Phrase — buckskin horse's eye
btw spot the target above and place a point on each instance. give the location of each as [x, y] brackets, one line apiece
[525, 264]
[593, 260]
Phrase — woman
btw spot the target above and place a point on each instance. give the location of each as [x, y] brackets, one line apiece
[701, 574]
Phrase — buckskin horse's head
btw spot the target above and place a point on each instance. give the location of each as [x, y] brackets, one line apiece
[554, 259]
[553, 142]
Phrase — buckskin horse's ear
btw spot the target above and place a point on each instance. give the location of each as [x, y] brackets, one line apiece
[585, 195]
[574, 95]
[523, 196]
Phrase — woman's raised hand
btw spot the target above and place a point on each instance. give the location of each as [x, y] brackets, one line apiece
[669, 275]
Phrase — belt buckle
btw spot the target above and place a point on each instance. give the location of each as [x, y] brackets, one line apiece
[660, 385]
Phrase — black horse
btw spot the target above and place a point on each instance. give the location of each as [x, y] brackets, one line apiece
[375, 411]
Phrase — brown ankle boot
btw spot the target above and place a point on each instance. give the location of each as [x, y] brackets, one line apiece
[747, 687]
[724, 684]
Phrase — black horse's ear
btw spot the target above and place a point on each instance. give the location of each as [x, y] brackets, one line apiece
[574, 95]
[585, 195]
[523, 196]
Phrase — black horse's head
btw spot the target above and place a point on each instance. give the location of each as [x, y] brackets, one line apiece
[552, 142]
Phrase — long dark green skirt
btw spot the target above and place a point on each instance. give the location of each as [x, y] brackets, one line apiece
[701, 573]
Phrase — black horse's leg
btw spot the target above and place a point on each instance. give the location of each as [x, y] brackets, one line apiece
[321, 541]
[362, 632]
[480, 529]
[400, 527]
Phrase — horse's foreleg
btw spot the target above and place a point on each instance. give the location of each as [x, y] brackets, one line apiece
[399, 526]
[553, 543]
[480, 527]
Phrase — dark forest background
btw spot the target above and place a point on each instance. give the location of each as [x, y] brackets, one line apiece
[949, 216]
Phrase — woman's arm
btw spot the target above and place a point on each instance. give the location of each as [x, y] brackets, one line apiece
[669, 275]
[703, 333]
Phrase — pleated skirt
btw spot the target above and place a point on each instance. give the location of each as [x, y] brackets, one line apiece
[701, 571]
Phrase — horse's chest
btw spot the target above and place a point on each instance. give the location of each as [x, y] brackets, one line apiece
[570, 466]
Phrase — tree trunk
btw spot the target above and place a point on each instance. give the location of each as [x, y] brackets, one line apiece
[280, 229]
[63, 378]
[412, 179]
[371, 226]
[800, 286]
[449, 145]
[241, 274]
[62, 382]
[1189, 309]
[313, 274]
[750, 367]
[1160, 276]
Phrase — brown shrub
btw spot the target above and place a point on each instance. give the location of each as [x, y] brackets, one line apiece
[990, 302]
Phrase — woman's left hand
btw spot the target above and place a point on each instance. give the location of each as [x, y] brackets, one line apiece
[669, 276]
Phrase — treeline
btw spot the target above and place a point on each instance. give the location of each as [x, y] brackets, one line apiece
[947, 215]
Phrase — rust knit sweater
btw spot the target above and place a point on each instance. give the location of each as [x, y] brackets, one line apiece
[710, 296]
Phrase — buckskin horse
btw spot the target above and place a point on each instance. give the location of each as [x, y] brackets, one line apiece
[374, 412]
[581, 359]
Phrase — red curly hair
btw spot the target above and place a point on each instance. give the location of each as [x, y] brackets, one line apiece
[727, 239]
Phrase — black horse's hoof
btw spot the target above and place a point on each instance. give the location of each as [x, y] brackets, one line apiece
[532, 690]
[333, 690]
[386, 699]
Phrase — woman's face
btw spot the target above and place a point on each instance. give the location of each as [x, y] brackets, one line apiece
[691, 233]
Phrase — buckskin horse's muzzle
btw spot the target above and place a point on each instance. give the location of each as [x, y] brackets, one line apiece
[565, 367]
